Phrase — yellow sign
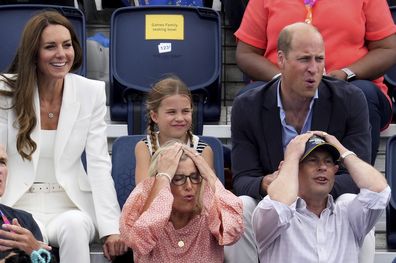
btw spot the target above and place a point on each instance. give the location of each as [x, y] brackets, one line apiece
[165, 27]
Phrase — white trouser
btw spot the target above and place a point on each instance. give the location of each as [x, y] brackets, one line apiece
[245, 250]
[61, 224]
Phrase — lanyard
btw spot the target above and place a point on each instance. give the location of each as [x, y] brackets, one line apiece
[308, 6]
[5, 219]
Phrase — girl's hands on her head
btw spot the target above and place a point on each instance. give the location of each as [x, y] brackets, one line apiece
[168, 161]
[203, 167]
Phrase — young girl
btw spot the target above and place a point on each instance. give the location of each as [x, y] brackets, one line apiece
[169, 112]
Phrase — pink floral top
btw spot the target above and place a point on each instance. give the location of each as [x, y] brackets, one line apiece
[154, 239]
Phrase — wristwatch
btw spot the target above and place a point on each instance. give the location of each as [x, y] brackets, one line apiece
[350, 75]
[346, 154]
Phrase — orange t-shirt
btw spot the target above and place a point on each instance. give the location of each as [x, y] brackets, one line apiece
[344, 24]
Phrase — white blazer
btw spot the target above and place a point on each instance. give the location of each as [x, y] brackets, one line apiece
[81, 126]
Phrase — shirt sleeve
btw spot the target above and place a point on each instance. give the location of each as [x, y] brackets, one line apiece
[224, 212]
[253, 26]
[379, 21]
[140, 230]
[270, 219]
[365, 209]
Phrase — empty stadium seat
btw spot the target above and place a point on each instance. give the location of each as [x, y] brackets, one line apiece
[390, 171]
[123, 163]
[13, 19]
[149, 42]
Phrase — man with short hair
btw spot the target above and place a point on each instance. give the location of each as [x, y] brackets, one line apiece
[19, 230]
[298, 220]
[265, 119]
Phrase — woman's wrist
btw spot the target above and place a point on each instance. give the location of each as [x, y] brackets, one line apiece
[164, 175]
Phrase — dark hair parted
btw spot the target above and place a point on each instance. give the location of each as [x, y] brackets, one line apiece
[166, 87]
[24, 66]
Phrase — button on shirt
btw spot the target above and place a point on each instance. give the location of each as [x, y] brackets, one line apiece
[295, 234]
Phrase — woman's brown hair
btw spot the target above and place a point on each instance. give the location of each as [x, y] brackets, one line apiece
[164, 88]
[23, 83]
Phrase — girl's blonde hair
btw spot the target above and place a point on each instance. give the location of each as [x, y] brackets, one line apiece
[166, 87]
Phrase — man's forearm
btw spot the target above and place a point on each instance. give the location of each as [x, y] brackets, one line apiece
[363, 174]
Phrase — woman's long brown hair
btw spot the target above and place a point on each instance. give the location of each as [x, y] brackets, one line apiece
[24, 81]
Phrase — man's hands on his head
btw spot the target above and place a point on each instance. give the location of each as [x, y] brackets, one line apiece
[362, 173]
[296, 147]
[294, 150]
[332, 140]
[114, 246]
[284, 188]
[16, 236]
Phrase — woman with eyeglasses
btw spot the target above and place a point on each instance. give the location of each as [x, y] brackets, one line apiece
[182, 212]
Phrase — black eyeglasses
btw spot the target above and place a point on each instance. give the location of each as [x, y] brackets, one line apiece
[182, 179]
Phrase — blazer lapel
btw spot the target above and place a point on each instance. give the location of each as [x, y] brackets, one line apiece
[271, 124]
[68, 115]
[321, 109]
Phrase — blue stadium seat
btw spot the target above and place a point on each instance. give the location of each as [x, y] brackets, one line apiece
[13, 19]
[188, 46]
[124, 163]
[390, 171]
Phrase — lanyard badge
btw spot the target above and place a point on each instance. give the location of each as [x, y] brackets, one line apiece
[5, 219]
[308, 6]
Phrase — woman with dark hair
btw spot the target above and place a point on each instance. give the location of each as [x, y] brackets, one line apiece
[48, 117]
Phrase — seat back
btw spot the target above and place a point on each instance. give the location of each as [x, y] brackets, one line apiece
[124, 163]
[184, 41]
[390, 172]
[13, 19]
